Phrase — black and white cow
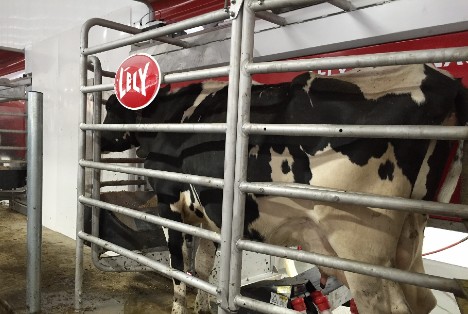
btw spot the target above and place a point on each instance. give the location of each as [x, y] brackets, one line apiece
[396, 95]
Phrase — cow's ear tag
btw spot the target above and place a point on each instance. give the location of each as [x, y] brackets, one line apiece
[137, 81]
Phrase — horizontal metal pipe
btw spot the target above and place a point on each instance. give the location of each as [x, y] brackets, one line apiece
[96, 88]
[16, 161]
[173, 41]
[365, 131]
[423, 280]
[326, 195]
[108, 24]
[179, 177]
[277, 4]
[200, 20]
[188, 279]
[371, 60]
[260, 306]
[195, 231]
[104, 73]
[342, 4]
[13, 148]
[196, 74]
[13, 114]
[169, 78]
[122, 182]
[13, 131]
[7, 99]
[271, 17]
[160, 127]
[123, 160]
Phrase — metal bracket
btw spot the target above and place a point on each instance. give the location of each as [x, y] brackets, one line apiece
[463, 302]
[234, 8]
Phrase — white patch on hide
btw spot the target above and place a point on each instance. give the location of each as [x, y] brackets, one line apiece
[209, 87]
[451, 180]
[420, 190]
[254, 151]
[377, 82]
[328, 165]
[276, 163]
[309, 82]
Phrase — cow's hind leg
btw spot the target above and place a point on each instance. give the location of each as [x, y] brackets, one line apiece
[178, 257]
[204, 261]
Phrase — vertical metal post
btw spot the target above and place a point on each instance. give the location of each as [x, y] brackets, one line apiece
[245, 86]
[229, 162]
[96, 181]
[34, 203]
[81, 180]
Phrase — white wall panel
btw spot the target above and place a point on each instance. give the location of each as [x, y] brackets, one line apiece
[54, 63]
[23, 22]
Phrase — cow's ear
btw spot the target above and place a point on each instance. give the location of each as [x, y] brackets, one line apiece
[461, 103]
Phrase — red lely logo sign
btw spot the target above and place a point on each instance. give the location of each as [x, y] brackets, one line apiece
[137, 81]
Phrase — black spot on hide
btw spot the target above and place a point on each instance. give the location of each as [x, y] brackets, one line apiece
[198, 213]
[386, 170]
[285, 167]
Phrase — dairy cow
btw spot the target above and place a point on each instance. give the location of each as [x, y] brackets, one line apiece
[395, 95]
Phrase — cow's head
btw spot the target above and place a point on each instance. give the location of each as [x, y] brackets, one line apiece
[118, 141]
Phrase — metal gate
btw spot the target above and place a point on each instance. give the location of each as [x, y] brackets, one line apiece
[234, 184]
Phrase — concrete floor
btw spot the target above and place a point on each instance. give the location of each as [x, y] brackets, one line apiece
[103, 292]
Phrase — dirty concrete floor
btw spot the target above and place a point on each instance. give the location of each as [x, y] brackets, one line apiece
[115, 293]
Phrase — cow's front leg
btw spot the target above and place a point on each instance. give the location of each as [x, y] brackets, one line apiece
[204, 261]
[178, 257]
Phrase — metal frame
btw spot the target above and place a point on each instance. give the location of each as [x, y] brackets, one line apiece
[238, 129]
[34, 201]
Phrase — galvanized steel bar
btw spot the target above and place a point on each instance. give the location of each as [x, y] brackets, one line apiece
[208, 18]
[159, 267]
[378, 59]
[123, 160]
[122, 183]
[13, 148]
[34, 203]
[12, 131]
[326, 195]
[168, 223]
[423, 280]
[104, 23]
[170, 78]
[17, 161]
[344, 5]
[229, 163]
[262, 307]
[196, 74]
[179, 177]
[79, 269]
[103, 72]
[96, 88]
[159, 127]
[96, 178]
[13, 114]
[363, 131]
[245, 85]
[271, 17]
[173, 41]
[278, 4]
